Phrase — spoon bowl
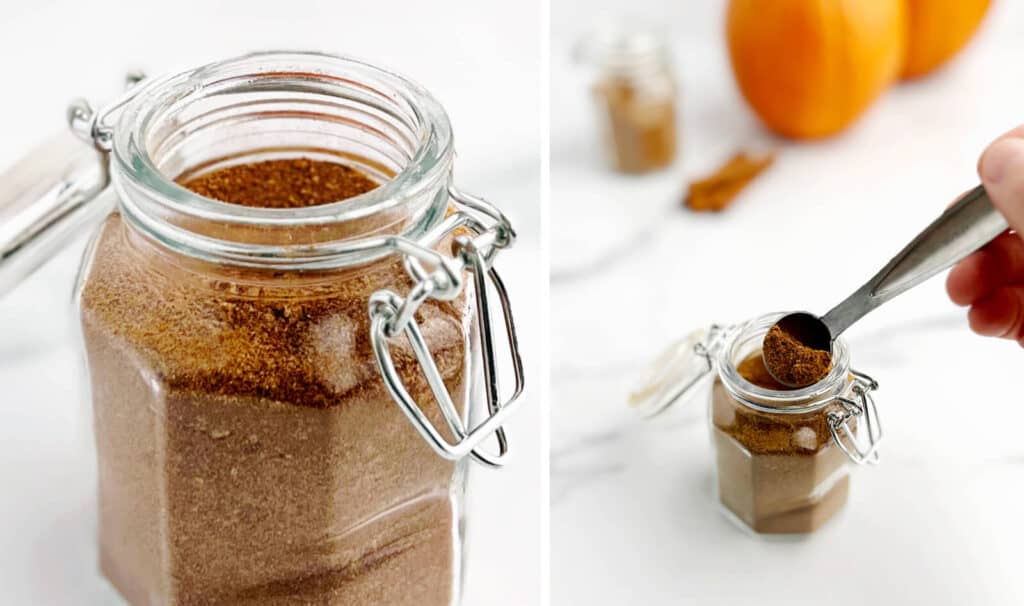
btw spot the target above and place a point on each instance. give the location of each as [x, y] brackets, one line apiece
[794, 347]
[807, 328]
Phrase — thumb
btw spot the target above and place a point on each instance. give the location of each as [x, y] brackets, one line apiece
[1002, 173]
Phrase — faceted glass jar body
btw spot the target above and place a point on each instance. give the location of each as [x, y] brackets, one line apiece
[779, 470]
[248, 451]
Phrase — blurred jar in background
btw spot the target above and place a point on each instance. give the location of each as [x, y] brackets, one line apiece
[635, 92]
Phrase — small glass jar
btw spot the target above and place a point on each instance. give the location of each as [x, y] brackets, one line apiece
[782, 456]
[245, 363]
[635, 94]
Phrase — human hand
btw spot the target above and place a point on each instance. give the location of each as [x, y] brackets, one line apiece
[991, 281]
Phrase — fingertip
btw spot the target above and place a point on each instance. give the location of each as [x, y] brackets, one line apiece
[1002, 173]
[956, 284]
[995, 160]
[986, 320]
[960, 281]
[1015, 133]
[1000, 314]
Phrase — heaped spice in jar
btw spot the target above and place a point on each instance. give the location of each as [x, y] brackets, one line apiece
[248, 450]
[778, 472]
[286, 183]
[792, 362]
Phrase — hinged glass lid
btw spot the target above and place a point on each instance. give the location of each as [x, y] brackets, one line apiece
[56, 189]
[44, 199]
[680, 369]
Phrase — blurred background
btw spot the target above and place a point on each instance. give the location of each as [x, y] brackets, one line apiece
[481, 60]
[856, 174]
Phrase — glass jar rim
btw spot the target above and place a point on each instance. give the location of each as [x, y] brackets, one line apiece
[795, 401]
[134, 169]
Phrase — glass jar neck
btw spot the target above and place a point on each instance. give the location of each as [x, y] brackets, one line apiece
[278, 105]
[745, 341]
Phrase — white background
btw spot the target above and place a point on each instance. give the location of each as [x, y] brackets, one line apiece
[483, 62]
[632, 520]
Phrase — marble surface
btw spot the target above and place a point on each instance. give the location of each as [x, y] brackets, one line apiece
[633, 518]
[481, 61]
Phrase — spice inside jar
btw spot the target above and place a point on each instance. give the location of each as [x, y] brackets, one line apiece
[248, 450]
[779, 471]
[635, 94]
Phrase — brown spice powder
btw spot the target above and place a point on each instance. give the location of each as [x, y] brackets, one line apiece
[765, 433]
[247, 449]
[752, 368]
[285, 183]
[792, 362]
[777, 473]
[715, 192]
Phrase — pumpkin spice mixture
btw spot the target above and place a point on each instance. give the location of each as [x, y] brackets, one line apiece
[792, 362]
[779, 473]
[248, 451]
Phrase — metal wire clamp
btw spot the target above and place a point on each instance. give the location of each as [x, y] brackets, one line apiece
[392, 315]
[862, 407]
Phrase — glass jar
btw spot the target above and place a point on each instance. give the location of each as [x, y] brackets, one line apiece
[245, 362]
[635, 93]
[782, 455]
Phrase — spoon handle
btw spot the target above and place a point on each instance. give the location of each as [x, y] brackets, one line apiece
[962, 229]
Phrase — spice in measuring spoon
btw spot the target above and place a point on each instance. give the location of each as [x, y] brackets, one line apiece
[790, 361]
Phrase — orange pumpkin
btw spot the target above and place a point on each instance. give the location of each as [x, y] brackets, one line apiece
[937, 29]
[809, 68]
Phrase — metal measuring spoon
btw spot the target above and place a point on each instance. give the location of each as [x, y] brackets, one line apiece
[963, 228]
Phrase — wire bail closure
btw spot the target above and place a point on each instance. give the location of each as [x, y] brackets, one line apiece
[862, 407]
[392, 315]
[93, 126]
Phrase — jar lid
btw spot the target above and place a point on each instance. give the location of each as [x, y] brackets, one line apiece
[48, 196]
[676, 372]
